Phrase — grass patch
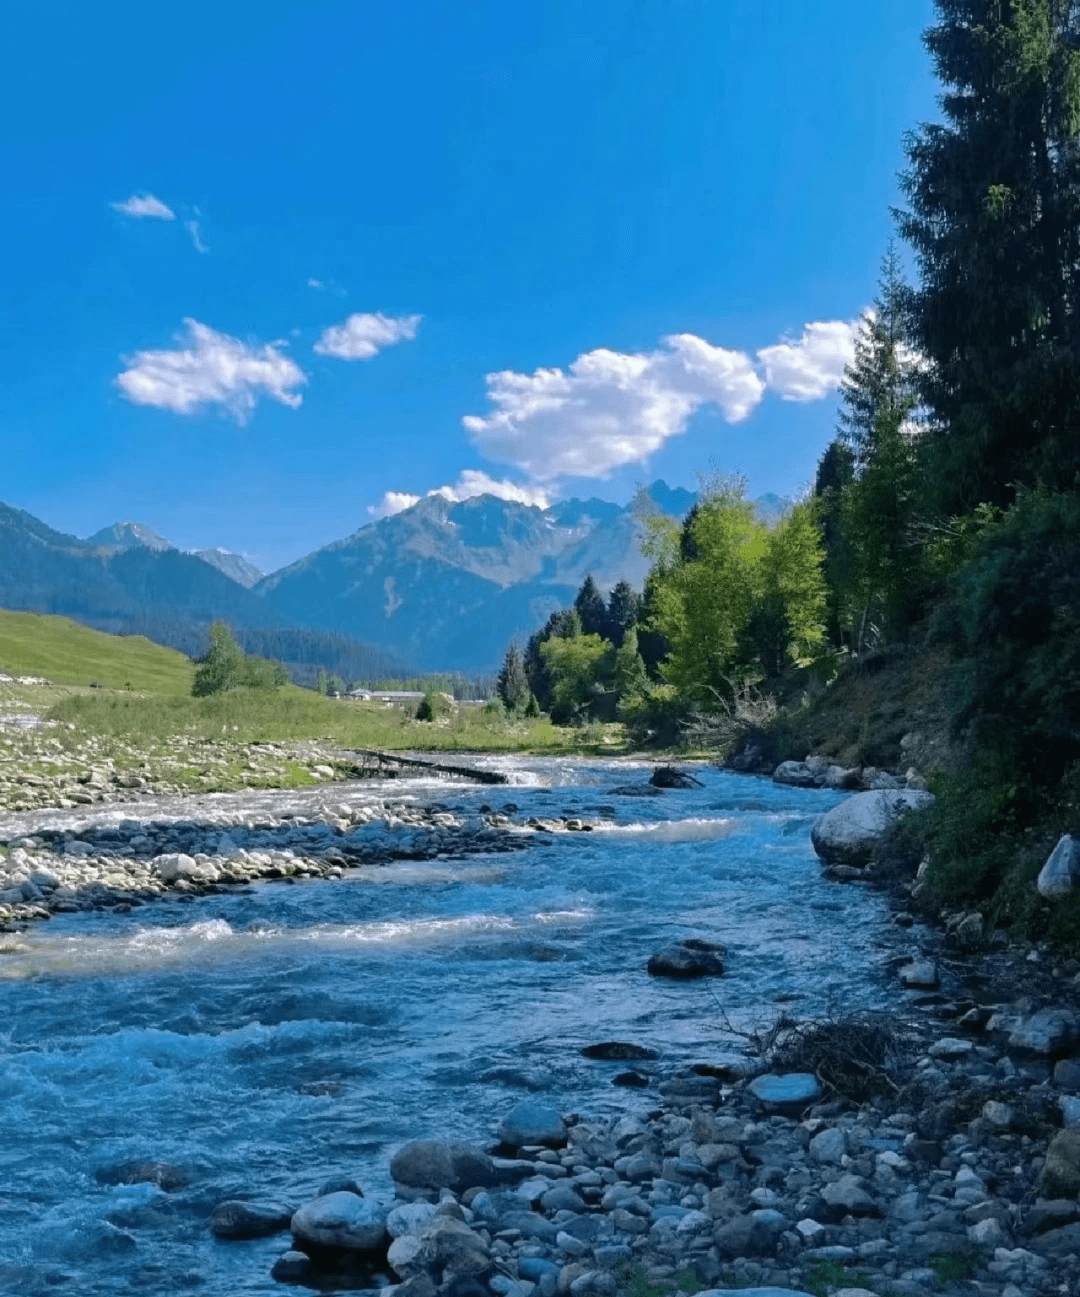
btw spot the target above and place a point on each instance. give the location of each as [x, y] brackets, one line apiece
[954, 1267]
[65, 652]
[634, 1282]
[834, 1274]
[281, 715]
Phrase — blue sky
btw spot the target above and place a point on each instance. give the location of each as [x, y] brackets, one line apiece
[596, 232]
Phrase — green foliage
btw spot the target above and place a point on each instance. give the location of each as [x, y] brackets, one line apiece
[513, 683]
[575, 665]
[994, 220]
[827, 1276]
[634, 1282]
[1014, 621]
[955, 1267]
[425, 709]
[590, 607]
[226, 666]
[623, 612]
[740, 601]
[630, 677]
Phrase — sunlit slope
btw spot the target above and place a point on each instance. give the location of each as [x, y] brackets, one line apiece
[65, 652]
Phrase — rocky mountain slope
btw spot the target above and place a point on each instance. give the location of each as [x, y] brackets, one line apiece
[440, 586]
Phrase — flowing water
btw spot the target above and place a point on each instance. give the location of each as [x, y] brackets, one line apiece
[262, 1041]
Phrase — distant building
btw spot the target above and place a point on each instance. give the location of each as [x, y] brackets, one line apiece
[386, 695]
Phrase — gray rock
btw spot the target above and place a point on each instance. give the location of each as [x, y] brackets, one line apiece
[920, 975]
[533, 1122]
[1067, 1074]
[1047, 1032]
[340, 1220]
[848, 1197]
[174, 866]
[1061, 873]
[1061, 1172]
[409, 1218]
[291, 1267]
[690, 958]
[828, 1145]
[847, 834]
[236, 1219]
[444, 1245]
[442, 1164]
[788, 1090]
[745, 1236]
[562, 1198]
[796, 774]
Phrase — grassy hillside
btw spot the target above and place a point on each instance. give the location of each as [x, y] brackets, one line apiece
[65, 652]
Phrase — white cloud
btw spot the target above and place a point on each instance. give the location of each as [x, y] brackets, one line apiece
[197, 243]
[471, 483]
[145, 205]
[362, 336]
[212, 368]
[316, 284]
[609, 408]
[391, 503]
[811, 368]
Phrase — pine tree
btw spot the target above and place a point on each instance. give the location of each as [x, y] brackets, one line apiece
[875, 549]
[591, 608]
[631, 678]
[835, 473]
[623, 611]
[994, 220]
[513, 684]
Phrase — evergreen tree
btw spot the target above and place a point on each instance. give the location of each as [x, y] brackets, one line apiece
[563, 624]
[876, 552]
[835, 473]
[631, 678]
[623, 611]
[590, 607]
[994, 219]
[513, 684]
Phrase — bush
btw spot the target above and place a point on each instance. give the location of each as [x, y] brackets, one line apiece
[226, 666]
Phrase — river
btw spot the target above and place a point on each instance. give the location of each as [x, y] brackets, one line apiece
[264, 1040]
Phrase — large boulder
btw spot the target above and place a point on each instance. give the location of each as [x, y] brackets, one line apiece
[340, 1220]
[533, 1122]
[444, 1247]
[235, 1219]
[1047, 1032]
[1061, 873]
[1061, 1171]
[848, 833]
[796, 774]
[442, 1164]
[690, 958]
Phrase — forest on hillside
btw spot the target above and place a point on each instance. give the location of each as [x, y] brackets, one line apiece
[945, 512]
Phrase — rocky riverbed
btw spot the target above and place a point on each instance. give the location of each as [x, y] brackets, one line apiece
[951, 1164]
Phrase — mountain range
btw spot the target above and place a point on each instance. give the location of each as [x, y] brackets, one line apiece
[441, 586]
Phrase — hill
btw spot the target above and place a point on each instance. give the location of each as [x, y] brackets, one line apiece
[65, 652]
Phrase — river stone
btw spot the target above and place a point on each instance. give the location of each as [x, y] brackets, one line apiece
[291, 1267]
[1061, 873]
[690, 958]
[745, 1236]
[174, 866]
[1050, 1031]
[1061, 1172]
[786, 1090]
[445, 1244]
[340, 1220]
[409, 1218]
[755, 1292]
[236, 1219]
[848, 833]
[920, 975]
[532, 1122]
[847, 1197]
[442, 1164]
[620, 1050]
[796, 774]
[828, 1146]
